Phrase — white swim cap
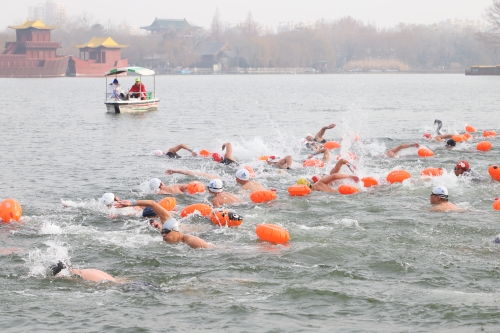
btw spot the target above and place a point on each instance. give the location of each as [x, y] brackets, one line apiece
[170, 225]
[157, 152]
[215, 185]
[242, 174]
[440, 191]
[154, 184]
[107, 199]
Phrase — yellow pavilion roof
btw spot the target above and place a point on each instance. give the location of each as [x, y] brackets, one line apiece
[37, 24]
[102, 41]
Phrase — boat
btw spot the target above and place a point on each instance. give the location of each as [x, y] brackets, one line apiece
[129, 103]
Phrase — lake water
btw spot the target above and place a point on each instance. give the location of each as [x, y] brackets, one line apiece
[376, 261]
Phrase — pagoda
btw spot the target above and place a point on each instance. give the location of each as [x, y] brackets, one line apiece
[97, 57]
[33, 54]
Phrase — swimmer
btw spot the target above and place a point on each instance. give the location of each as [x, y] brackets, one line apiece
[281, 163]
[462, 168]
[157, 186]
[88, 274]
[439, 200]
[191, 173]
[219, 197]
[318, 138]
[228, 155]
[108, 200]
[324, 151]
[393, 152]
[168, 225]
[243, 178]
[323, 184]
[172, 152]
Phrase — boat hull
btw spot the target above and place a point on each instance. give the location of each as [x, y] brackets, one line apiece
[132, 106]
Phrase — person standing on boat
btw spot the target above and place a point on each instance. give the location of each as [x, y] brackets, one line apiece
[138, 90]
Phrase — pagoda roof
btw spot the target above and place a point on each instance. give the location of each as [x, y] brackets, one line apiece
[168, 24]
[37, 24]
[96, 42]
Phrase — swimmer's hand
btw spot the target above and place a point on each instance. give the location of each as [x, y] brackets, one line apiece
[330, 126]
[355, 178]
[123, 203]
[170, 172]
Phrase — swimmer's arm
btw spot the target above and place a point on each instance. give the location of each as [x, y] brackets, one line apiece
[400, 147]
[191, 173]
[229, 150]
[442, 137]
[319, 135]
[195, 242]
[162, 213]
[338, 165]
[337, 176]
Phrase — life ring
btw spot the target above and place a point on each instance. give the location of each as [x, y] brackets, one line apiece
[225, 218]
[432, 172]
[470, 129]
[489, 134]
[299, 190]
[168, 203]
[204, 153]
[484, 146]
[313, 163]
[195, 187]
[369, 181]
[425, 152]
[496, 204]
[331, 145]
[494, 171]
[347, 189]
[272, 233]
[398, 176]
[263, 196]
[202, 209]
[10, 209]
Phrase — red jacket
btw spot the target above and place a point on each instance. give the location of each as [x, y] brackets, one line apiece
[138, 87]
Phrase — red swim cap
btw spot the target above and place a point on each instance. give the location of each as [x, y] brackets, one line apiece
[427, 136]
[464, 165]
[315, 179]
[216, 157]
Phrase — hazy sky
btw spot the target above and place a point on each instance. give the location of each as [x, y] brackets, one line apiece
[270, 13]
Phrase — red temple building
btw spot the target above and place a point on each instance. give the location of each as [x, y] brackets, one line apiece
[33, 54]
[97, 57]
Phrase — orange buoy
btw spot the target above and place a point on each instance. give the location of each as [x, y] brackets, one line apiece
[467, 136]
[398, 176]
[458, 138]
[202, 209]
[272, 233]
[432, 172]
[484, 146]
[225, 218]
[425, 152]
[494, 171]
[496, 204]
[347, 189]
[314, 163]
[195, 187]
[470, 129]
[331, 145]
[299, 190]
[204, 153]
[250, 171]
[168, 203]
[489, 133]
[10, 210]
[263, 196]
[264, 157]
[369, 181]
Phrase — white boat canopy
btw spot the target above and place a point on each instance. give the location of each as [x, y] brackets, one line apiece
[133, 69]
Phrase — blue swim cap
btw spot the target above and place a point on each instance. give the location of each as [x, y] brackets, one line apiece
[148, 212]
[497, 239]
